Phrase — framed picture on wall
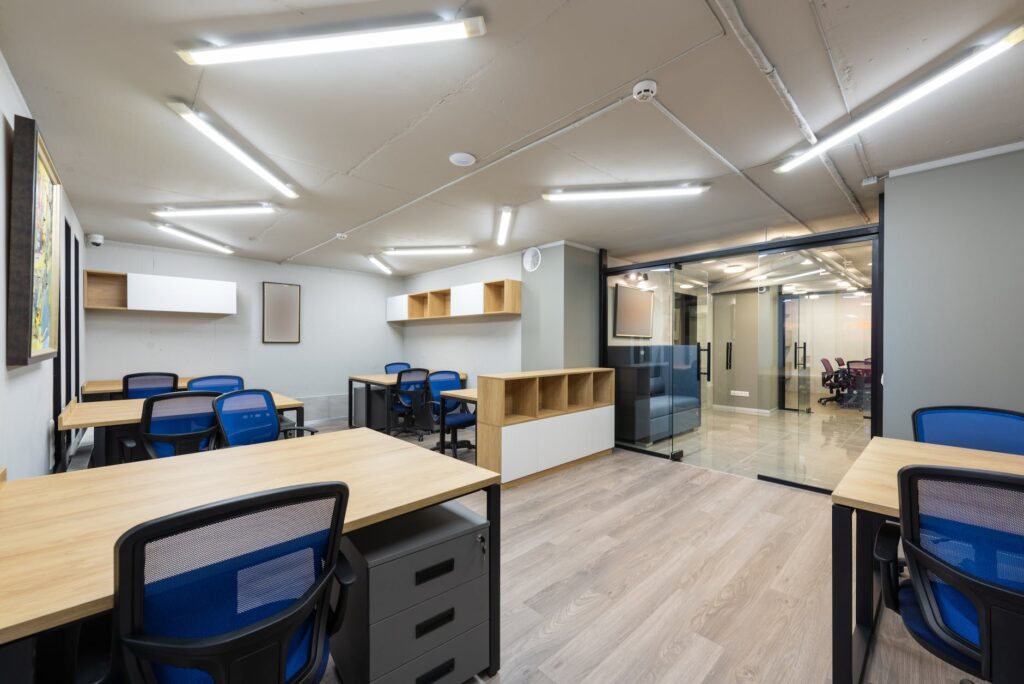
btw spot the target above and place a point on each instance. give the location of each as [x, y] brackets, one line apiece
[33, 250]
[282, 309]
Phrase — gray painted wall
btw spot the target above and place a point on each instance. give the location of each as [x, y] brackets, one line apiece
[581, 308]
[954, 237]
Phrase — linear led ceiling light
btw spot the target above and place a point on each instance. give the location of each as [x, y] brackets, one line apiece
[913, 95]
[379, 264]
[432, 32]
[634, 192]
[191, 237]
[426, 251]
[222, 141]
[247, 209]
[504, 225]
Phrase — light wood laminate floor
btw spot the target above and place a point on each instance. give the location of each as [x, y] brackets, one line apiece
[631, 568]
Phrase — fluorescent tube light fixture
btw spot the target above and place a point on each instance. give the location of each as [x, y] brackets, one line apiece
[222, 210]
[919, 91]
[595, 194]
[432, 32]
[504, 225]
[734, 269]
[426, 251]
[192, 237]
[226, 144]
[758, 278]
[379, 264]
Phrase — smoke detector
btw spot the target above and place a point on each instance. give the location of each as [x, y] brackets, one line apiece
[644, 91]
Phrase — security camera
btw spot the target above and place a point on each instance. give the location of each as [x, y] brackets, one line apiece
[95, 239]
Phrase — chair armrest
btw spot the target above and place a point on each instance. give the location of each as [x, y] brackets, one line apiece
[887, 544]
[295, 428]
[345, 576]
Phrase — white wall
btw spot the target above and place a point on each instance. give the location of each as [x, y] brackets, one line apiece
[343, 328]
[953, 278]
[26, 393]
[475, 347]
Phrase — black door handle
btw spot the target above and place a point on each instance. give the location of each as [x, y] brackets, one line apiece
[728, 356]
[796, 356]
[706, 373]
[805, 356]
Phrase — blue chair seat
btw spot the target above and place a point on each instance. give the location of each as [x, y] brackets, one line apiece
[459, 420]
[915, 623]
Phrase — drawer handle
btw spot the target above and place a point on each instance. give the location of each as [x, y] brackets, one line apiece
[434, 571]
[436, 622]
[445, 668]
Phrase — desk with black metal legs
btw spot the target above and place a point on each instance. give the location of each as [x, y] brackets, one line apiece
[865, 497]
[386, 380]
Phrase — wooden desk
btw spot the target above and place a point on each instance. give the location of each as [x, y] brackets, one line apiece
[385, 380]
[93, 387]
[57, 532]
[468, 395]
[869, 491]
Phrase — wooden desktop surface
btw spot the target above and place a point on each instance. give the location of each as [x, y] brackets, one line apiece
[468, 394]
[76, 416]
[871, 485]
[57, 532]
[385, 379]
[115, 386]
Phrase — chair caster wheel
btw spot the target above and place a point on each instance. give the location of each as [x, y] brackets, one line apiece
[420, 438]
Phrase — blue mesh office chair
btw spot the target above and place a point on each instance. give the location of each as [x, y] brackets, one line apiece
[217, 383]
[250, 417]
[971, 428]
[963, 535]
[142, 385]
[409, 401]
[236, 592]
[397, 367]
[456, 415]
[175, 423]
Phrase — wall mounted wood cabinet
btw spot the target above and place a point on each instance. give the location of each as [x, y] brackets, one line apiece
[111, 291]
[493, 298]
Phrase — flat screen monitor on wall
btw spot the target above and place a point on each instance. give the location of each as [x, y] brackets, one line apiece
[634, 312]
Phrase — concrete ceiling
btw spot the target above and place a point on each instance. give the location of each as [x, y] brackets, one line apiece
[363, 133]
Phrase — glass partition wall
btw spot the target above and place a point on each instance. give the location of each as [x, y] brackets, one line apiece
[757, 364]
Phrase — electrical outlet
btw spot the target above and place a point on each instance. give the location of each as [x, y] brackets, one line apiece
[739, 393]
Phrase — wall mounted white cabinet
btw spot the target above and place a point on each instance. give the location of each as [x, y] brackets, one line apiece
[110, 291]
[492, 298]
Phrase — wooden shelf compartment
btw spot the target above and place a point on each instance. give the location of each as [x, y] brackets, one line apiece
[418, 305]
[580, 391]
[106, 290]
[439, 303]
[604, 387]
[502, 296]
[520, 400]
[553, 395]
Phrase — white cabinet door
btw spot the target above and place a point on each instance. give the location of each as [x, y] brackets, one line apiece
[468, 300]
[185, 295]
[398, 308]
[519, 450]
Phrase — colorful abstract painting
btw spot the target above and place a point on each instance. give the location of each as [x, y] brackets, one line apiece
[45, 257]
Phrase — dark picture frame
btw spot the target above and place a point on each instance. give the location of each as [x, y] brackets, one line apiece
[282, 313]
[33, 249]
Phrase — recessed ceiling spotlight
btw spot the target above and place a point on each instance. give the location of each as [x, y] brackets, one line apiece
[685, 286]
[462, 159]
[430, 32]
[735, 268]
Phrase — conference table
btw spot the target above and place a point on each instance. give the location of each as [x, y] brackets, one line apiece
[117, 418]
[57, 532]
[385, 380]
[866, 497]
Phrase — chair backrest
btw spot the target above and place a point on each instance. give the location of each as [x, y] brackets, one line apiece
[217, 383]
[840, 362]
[212, 573]
[396, 367]
[963, 534]
[178, 423]
[142, 385]
[859, 368]
[410, 381]
[970, 427]
[247, 417]
[828, 366]
[443, 381]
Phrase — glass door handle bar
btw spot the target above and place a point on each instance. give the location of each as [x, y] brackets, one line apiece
[805, 356]
[796, 356]
[728, 356]
[706, 373]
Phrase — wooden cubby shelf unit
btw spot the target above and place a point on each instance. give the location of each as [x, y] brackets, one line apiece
[553, 395]
[439, 304]
[418, 305]
[580, 393]
[604, 387]
[105, 290]
[511, 398]
[481, 300]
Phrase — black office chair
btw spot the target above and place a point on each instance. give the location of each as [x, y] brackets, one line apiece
[236, 592]
[830, 380]
[142, 385]
[963, 535]
[410, 402]
[175, 423]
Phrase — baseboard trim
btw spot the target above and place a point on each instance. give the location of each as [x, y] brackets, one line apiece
[743, 409]
[544, 473]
